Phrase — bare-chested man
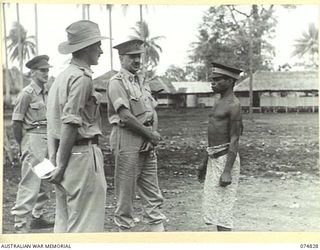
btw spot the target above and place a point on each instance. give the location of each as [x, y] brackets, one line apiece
[221, 167]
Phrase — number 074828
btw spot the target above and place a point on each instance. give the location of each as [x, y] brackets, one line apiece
[309, 246]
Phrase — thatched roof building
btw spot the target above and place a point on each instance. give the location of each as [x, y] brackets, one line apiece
[264, 81]
[100, 83]
[163, 84]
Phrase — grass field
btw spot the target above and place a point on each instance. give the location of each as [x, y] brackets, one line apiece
[279, 182]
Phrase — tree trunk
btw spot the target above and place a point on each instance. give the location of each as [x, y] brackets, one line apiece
[20, 48]
[7, 82]
[83, 12]
[36, 27]
[144, 38]
[250, 66]
[109, 7]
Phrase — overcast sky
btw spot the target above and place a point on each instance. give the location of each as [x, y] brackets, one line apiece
[178, 23]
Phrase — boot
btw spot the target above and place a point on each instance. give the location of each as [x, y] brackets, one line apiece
[157, 227]
[39, 223]
[23, 229]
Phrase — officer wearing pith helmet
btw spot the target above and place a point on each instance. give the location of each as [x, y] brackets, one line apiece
[73, 131]
[30, 131]
[131, 111]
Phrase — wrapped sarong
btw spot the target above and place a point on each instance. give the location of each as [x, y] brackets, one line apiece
[218, 202]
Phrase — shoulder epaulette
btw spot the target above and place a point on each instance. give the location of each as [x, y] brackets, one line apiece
[28, 89]
[86, 72]
[118, 76]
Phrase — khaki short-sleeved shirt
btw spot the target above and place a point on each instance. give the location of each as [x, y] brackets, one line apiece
[30, 106]
[127, 90]
[72, 99]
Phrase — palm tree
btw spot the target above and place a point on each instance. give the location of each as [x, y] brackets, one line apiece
[152, 49]
[109, 9]
[21, 47]
[19, 44]
[28, 46]
[307, 44]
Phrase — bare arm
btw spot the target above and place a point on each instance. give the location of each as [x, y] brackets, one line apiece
[20, 109]
[53, 145]
[234, 133]
[134, 125]
[17, 131]
[68, 138]
[202, 170]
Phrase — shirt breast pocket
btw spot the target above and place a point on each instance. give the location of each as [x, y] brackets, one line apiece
[38, 110]
[137, 106]
[93, 106]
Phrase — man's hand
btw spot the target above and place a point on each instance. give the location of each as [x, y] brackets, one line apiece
[146, 147]
[201, 173]
[57, 176]
[155, 138]
[225, 179]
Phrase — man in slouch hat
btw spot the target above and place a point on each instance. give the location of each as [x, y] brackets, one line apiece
[73, 131]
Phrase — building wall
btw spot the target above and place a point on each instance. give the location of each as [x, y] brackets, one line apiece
[294, 102]
[164, 101]
[205, 101]
[192, 101]
[244, 101]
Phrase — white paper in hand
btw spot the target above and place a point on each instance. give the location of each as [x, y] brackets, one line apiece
[44, 169]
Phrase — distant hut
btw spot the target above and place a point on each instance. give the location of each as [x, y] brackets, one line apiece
[196, 94]
[100, 83]
[280, 91]
[163, 91]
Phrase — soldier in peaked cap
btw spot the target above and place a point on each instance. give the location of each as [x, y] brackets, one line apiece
[131, 111]
[130, 47]
[73, 131]
[30, 131]
[221, 167]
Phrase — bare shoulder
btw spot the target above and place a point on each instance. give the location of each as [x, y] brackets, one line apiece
[234, 108]
[232, 102]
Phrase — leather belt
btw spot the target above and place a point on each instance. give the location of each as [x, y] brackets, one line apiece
[37, 128]
[87, 141]
[220, 153]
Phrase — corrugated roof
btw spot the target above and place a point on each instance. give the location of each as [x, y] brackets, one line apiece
[159, 83]
[192, 87]
[280, 80]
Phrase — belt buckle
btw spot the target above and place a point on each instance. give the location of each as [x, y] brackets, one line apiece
[148, 123]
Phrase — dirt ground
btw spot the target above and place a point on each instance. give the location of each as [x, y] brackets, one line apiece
[279, 185]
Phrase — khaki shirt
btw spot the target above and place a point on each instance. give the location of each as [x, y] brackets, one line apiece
[73, 100]
[30, 106]
[127, 90]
